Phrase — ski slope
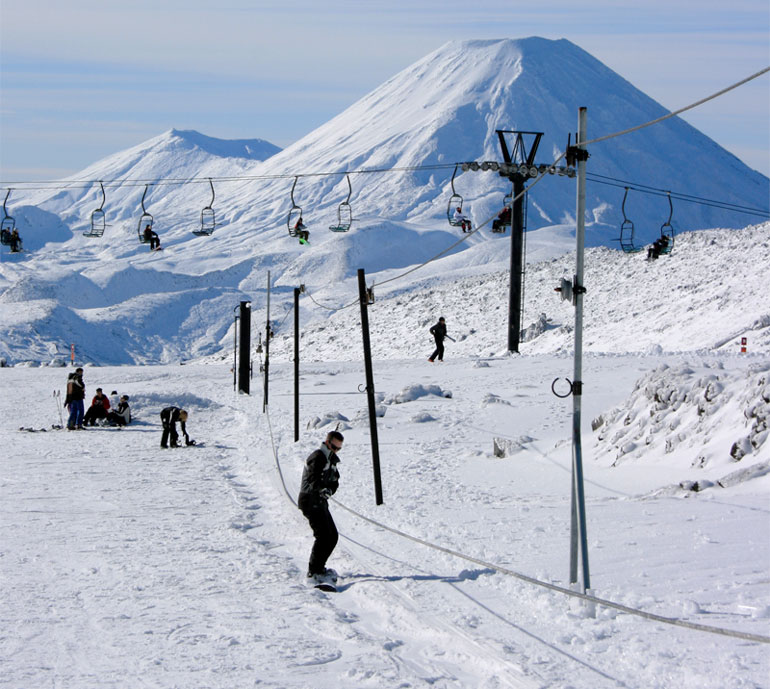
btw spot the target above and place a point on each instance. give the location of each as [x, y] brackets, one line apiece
[128, 565]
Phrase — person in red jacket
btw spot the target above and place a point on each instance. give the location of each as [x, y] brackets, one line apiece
[100, 405]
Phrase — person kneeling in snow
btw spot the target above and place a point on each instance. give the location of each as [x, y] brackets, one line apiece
[169, 417]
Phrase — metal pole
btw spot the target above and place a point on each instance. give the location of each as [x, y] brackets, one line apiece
[296, 363]
[578, 495]
[517, 262]
[364, 299]
[245, 348]
[267, 345]
[235, 351]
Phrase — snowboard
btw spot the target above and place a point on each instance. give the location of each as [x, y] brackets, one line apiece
[39, 430]
[193, 443]
[329, 585]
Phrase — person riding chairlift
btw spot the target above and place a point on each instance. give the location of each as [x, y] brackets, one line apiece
[15, 241]
[461, 220]
[152, 238]
[503, 219]
[302, 232]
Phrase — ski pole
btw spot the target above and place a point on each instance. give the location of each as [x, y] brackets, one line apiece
[57, 397]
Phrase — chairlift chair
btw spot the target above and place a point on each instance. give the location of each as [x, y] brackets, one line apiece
[626, 238]
[667, 229]
[295, 213]
[208, 220]
[455, 201]
[146, 219]
[344, 213]
[98, 219]
[8, 223]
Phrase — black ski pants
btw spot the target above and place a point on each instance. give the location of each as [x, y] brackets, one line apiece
[94, 413]
[169, 428]
[316, 510]
[439, 351]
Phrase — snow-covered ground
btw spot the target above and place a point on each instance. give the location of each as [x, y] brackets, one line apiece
[130, 566]
[125, 565]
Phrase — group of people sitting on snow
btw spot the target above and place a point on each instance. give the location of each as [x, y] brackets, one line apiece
[108, 411]
[115, 411]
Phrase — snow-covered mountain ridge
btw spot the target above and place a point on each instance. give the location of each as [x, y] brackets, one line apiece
[701, 297]
[444, 108]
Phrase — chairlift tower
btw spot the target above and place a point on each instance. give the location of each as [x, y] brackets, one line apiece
[520, 165]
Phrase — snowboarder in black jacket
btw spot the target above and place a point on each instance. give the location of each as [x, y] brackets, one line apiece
[320, 480]
[439, 333]
[169, 417]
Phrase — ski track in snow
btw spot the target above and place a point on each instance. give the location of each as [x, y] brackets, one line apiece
[124, 564]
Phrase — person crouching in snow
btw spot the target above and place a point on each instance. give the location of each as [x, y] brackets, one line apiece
[169, 418]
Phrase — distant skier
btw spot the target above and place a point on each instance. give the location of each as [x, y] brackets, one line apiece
[151, 237]
[76, 393]
[461, 220]
[169, 418]
[320, 480]
[439, 333]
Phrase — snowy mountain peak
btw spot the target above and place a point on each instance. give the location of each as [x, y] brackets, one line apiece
[250, 149]
[447, 107]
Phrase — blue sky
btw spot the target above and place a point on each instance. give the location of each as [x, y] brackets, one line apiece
[83, 79]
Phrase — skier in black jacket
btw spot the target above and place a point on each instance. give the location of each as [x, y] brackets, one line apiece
[169, 417]
[320, 480]
[439, 333]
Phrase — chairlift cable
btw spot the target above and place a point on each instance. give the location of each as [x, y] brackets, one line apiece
[680, 196]
[678, 112]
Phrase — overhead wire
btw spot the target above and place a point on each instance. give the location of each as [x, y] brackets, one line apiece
[606, 137]
[56, 185]
[679, 196]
